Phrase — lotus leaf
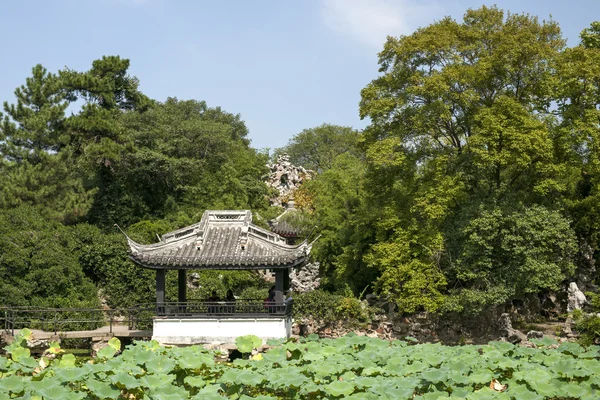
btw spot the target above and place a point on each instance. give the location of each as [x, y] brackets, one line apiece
[434, 375]
[565, 367]
[161, 365]
[106, 352]
[340, 388]
[210, 392]
[196, 361]
[245, 344]
[13, 384]
[20, 353]
[156, 381]
[544, 342]
[71, 374]
[581, 390]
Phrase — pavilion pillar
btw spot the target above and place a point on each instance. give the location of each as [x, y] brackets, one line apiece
[282, 283]
[160, 290]
[279, 285]
[182, 286]
[286, 279]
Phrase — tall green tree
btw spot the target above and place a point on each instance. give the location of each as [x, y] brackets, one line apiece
[184, 157]
[463, 123]
[37, 171]
[33, 127]
[578, 132]
[316, 148]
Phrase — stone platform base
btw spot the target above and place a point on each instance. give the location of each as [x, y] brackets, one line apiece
[223, 330]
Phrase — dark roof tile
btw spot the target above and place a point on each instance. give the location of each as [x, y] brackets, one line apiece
[221, 240]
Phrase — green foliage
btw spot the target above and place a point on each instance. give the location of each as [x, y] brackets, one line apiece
[329, 307]
[413, 284]
[37, 267]
[590, 37]
[103, 257]
[317, 148]
[245, 344]
[351, 367]
[244, 284]
[186, 157]
[344, 223]
[588, 325]
[471, 177]
[511, 254]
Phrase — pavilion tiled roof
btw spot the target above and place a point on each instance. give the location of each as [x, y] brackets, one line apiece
[282, 226]
[221, 240]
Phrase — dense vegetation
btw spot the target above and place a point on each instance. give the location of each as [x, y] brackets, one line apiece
[477, 179]
[118, 157]
[352, 367]
[475, 183]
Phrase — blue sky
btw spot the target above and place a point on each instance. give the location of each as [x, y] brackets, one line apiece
[283, 65]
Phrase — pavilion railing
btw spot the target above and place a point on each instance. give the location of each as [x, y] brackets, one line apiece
[238, 308]
[58, 320]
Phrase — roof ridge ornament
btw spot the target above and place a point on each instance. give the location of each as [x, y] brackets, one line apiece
[122, 231]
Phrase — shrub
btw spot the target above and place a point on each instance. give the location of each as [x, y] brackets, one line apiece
[329, 307]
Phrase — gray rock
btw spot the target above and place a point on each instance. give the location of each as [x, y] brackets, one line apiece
[535, 335]
[504, 323]
[576, 299]
[305, 279]
[516, 336]
[512, 335]
[286, 178]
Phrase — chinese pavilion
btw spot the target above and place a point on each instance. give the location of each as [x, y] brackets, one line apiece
[222, 240]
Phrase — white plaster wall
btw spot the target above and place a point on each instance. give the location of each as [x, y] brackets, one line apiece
[222, 330]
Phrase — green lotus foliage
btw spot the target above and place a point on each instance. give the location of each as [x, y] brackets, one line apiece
[353, 367]
[246, 344]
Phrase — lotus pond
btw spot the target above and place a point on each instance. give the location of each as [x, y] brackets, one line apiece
[352, 367]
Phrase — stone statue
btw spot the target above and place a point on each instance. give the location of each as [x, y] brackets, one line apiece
[576, 299]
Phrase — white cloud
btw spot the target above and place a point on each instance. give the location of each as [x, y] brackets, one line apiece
[371, 21]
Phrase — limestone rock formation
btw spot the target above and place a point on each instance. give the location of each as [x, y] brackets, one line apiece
[306, 279]
[576, 299]
[193, 281]
[286, 178]
[535, 335]
[512, 335]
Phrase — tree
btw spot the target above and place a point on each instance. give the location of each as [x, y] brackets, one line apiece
[341, 218]
[506, 254]
[463, 123]
[590, 37]
[37, 267]
[36, 167]
[316, 148]
[184, 157]
[33, 128]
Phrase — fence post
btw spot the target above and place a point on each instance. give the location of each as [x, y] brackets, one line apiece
[110, 322]
[55, 322]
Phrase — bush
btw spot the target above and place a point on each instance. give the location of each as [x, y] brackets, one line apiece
[588, 326]
[244, 284]
[328, 307]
